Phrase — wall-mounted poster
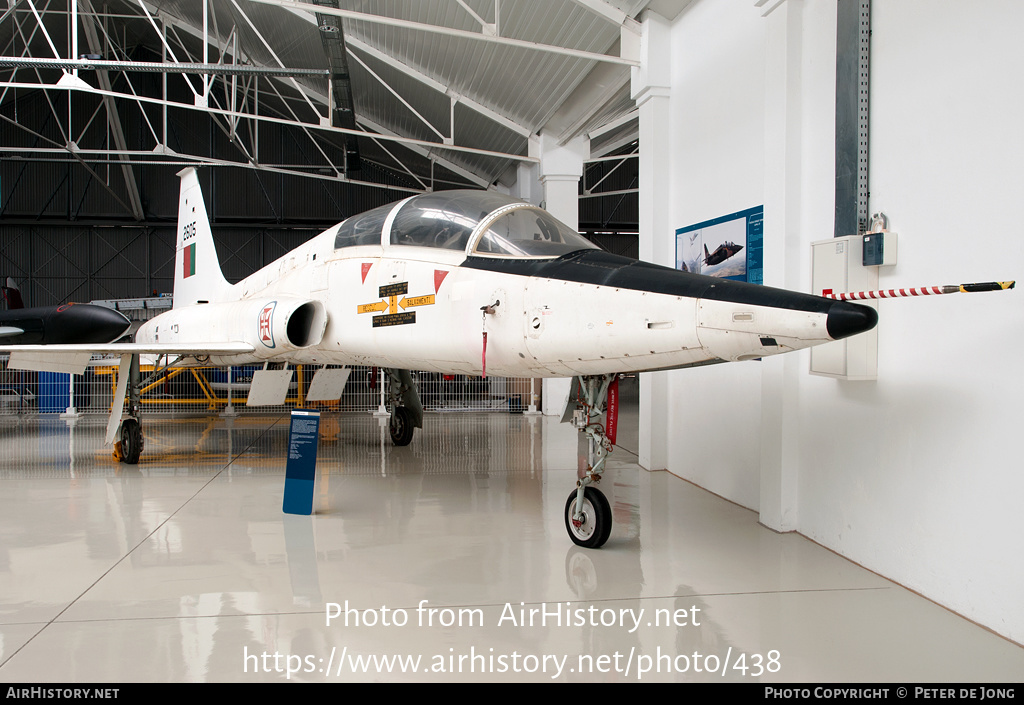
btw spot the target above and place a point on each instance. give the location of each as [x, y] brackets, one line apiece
[729, 247]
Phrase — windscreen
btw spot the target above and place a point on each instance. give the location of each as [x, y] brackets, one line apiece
[530, 232]
[447, 220]
[362, 229]
[444, 219]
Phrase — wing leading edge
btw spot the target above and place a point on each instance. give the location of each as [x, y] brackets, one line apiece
[73, 358]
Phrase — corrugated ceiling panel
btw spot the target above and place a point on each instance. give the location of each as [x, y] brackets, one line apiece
[524, 84]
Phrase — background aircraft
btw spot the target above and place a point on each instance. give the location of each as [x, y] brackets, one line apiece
[457, 282]
[68, 323]
[721, 253]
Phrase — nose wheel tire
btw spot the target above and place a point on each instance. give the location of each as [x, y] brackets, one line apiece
[401, 426]
[595, 525]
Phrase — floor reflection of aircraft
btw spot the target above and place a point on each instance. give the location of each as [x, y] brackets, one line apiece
[68, 323]
[723, 252]
[457, 282]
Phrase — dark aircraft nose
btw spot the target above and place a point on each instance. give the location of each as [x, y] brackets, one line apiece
[110, 324]
[846, 319]
[86, 323]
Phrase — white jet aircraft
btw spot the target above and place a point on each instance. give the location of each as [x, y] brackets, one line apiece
[457, 282]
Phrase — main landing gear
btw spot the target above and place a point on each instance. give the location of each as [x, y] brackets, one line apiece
[129, 448]
[588, 516]
[130, 441]
[406, 409]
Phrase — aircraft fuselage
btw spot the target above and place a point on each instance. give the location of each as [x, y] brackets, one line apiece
[587, 312]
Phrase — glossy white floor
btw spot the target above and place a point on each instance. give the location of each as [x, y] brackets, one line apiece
[448, 553]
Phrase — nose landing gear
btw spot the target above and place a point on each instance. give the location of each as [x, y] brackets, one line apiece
[588, 516]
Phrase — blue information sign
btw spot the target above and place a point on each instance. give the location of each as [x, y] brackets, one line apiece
[300, 472]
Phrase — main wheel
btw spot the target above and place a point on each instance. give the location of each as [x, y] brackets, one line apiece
[401, 426]
[131, 441]
[595, 525]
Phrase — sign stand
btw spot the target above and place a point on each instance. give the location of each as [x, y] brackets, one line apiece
[300, 472]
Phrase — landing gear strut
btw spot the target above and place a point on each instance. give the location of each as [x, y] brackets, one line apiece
[588, 516]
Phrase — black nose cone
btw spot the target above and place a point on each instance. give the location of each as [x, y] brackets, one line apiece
[846, 319]
[85, 323]
[109, 325]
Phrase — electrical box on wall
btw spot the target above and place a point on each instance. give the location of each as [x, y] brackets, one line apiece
[879, 249]
[836, 264]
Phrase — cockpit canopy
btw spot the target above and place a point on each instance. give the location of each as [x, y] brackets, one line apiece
[479, 223]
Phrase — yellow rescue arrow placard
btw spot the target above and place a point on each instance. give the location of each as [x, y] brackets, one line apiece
[410, 301]
[373, 308]
[394, 317]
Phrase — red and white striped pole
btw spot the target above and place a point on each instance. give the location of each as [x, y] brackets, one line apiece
[919, 291]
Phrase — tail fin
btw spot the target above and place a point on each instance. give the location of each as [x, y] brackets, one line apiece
[707, 255]
[197, 274]
[12, 295]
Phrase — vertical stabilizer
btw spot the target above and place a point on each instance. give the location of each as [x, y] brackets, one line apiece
[12, 295]
[197, 274]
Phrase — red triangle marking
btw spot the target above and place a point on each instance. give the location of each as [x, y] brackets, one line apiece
[439, 275]
[366, 268]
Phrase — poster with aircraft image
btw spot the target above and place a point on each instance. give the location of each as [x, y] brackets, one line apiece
[729, 247]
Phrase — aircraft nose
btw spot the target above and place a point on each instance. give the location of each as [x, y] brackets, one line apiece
[110, 324]
[86, 323]
[846, 319]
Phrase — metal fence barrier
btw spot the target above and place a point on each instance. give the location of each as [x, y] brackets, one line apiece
[205, 389]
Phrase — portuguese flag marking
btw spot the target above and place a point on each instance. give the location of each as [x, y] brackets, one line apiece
[189, 260]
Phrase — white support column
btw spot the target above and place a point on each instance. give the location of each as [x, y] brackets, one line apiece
[651, 88]
[561, 167]
[780, 377]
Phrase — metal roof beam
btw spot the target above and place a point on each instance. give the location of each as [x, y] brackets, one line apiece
[167, 45]
[270, 49]
[485, 26]
[404, 102]
[46, 34]
[611, 13]
[157, 67]
[281, 121]
[237, 55]
[113, 118]
[97, 156]
[437, 86]
[612, 124]
[437, 29]
[616, 144]
[425, 152]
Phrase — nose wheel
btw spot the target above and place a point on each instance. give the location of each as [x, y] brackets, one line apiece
[591, 525]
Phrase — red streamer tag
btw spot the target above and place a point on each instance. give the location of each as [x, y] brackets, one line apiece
[483, 358]
[613, 410]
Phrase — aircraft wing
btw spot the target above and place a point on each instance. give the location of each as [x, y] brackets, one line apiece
[74, 357]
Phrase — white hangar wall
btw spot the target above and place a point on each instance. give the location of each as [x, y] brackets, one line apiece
[917, 475]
